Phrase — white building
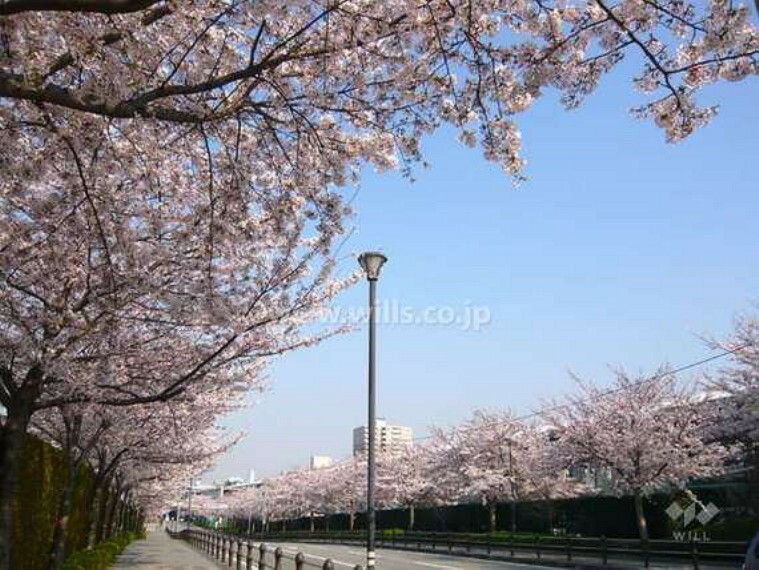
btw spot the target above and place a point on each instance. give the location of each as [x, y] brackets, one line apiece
[320, 462]
[219, 488]
[388, 438]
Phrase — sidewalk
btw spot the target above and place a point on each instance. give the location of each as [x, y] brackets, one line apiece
[159, 551]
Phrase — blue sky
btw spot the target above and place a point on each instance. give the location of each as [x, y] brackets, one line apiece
[619, 250]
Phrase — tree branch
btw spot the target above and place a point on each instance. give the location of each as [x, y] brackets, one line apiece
[90, 6]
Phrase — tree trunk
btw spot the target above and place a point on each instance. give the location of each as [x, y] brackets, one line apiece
[124, 512]
[326, 523]
[351, 520]
[19, 414]
[640, 516]
[58, 548]
[311, 522]
[100, 510]
[411, 516]
[492, 515]
[118, 527]
[549, 506]
[114, 495]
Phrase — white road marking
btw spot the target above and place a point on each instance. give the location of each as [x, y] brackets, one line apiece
[321, 558]
[363, 553]
[393, 556]
[443, 566]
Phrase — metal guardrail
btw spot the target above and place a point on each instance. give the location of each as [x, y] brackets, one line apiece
[558, 550]
[243, 554]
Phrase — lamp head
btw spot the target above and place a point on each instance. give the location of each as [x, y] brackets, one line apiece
[371, 262]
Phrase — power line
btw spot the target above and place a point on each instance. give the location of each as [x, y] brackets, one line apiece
[672, 372]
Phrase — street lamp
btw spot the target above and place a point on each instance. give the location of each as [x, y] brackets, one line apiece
[189, 505]
[371, 262]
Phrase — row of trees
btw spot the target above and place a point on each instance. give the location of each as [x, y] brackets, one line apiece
[170, 183]
[636, 437]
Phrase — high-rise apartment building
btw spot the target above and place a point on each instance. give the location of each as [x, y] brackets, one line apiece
[389, 438]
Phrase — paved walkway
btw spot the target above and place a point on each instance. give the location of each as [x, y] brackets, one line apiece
[159, 551]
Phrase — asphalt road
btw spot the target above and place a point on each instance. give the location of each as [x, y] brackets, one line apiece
[347, 556]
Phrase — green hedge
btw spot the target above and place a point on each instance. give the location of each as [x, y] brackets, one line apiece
[102, 556]
[42, 478]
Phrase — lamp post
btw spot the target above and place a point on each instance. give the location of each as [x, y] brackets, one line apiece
[513, 481]
[371, 262]
[189, 505]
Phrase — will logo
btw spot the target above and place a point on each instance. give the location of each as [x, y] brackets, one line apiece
[692, 513]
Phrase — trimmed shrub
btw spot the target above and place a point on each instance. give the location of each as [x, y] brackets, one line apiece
[102, 556]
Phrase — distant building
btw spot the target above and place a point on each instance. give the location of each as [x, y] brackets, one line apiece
[320, 462]
[221, 487]
[388, 438]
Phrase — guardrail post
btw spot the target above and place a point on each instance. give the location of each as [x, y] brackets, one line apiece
[694, 553]
[239, 554]
[604, 552]
[537, 545]
[231, 551]
[328, 565]
[249, 556]
[278, 558]
[223, 548]
[569, 548]
[262, 557]
[300, 561]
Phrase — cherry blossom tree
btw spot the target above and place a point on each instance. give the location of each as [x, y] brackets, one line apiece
[645, 430]
[478, 460]
[139, 295]
[344, 488]
[542, 471]
[739, 382]
[328, 83]
[348, 488]
[157, 438]
[737, 405]
[406, 479]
